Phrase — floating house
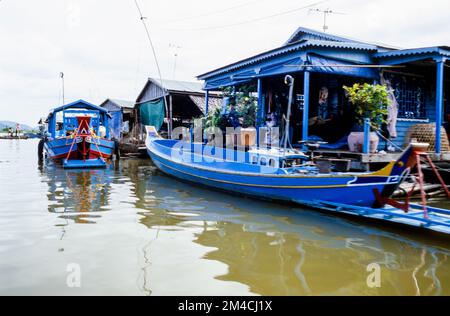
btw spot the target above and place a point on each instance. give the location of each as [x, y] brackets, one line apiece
[122, 117]
[161, 102]
[323, 63]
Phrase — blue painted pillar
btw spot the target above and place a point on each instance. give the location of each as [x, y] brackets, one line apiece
[206, 103]
[439, 103]
[306, 86]
[261, 105]
[366, 145]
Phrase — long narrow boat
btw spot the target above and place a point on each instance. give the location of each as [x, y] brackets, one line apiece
[250, 175]
[286, 175]
[78, 136]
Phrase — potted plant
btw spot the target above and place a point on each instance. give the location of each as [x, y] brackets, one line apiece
[247, 108]
[215, 120]
[370, 102]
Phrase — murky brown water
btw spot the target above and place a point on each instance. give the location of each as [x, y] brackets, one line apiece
[134, 231]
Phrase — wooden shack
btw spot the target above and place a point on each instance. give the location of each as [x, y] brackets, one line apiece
[122, 117]
[180, 102]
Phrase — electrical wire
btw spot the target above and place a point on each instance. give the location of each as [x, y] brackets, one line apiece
[154, 52]
[254, 20]
[213, 12]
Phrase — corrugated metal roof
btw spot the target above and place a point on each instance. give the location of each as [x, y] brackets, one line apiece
[441, 50]
[330, 37]
[286, 49]
[123, 103]
[179, 86]
[80, 104]
[320, 35]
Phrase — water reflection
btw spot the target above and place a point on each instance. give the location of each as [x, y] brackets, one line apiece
[77, 195]
[271, 249]
[279, 250]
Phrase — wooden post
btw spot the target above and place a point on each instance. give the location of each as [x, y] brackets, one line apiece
[170, 116]
[439, 102]
[306, 86]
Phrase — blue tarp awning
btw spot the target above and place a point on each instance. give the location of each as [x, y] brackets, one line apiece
[326, 65]
[282, 67]
[115, 124]
[314, 63]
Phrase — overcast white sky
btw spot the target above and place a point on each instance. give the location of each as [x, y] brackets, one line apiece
[102, 48]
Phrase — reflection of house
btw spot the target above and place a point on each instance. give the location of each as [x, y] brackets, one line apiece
[183, 102]
[318, 60]
[122, 116]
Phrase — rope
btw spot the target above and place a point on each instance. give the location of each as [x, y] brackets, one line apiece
[71, 147]
[96, 145]
[389, 141]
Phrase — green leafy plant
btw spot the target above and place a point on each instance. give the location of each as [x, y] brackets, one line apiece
[215, 119]
[245, 104]
[242, 104]
[370, 101]
[247, 114]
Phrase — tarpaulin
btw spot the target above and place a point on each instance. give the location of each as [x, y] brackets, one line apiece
[152, 113]
[269, 69]
[321, 64]
[115, 124]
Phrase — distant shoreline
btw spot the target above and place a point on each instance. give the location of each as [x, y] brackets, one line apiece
[14, 138]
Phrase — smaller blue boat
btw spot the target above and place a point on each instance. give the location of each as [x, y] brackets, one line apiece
[78, 136]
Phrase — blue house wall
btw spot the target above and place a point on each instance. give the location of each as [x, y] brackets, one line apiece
[308, 51]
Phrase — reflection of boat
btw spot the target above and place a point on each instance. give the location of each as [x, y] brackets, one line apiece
[275, 251]
[78, 194]
[287, 179]
[78, 135]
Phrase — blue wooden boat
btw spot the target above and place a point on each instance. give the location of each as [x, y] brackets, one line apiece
[279, 178]
[288, 176]
[78, 136]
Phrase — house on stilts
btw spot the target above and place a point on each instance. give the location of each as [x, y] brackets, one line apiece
[321, 65]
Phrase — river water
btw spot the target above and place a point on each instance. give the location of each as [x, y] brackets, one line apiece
[130, 230]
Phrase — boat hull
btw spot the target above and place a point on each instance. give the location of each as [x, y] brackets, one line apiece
[352, 194]
[356, 189]
[61, 149]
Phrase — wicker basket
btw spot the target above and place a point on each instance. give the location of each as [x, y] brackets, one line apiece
[426, 133]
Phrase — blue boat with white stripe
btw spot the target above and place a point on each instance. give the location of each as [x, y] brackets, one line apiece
[290, 178]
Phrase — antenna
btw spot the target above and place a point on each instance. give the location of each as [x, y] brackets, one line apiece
[325, 15]
[62, 82]
[176, 49]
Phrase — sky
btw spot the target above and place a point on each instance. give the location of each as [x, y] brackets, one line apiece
[102, 48]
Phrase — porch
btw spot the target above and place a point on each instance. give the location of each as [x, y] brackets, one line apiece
[322, 62]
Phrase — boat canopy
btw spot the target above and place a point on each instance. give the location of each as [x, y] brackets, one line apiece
[81, 106]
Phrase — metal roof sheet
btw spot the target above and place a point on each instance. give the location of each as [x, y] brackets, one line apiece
[80, 104]
[330, 37]
[123, 103]
[180, 86]
[321, 35]
[441, 50]
[289, 48]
